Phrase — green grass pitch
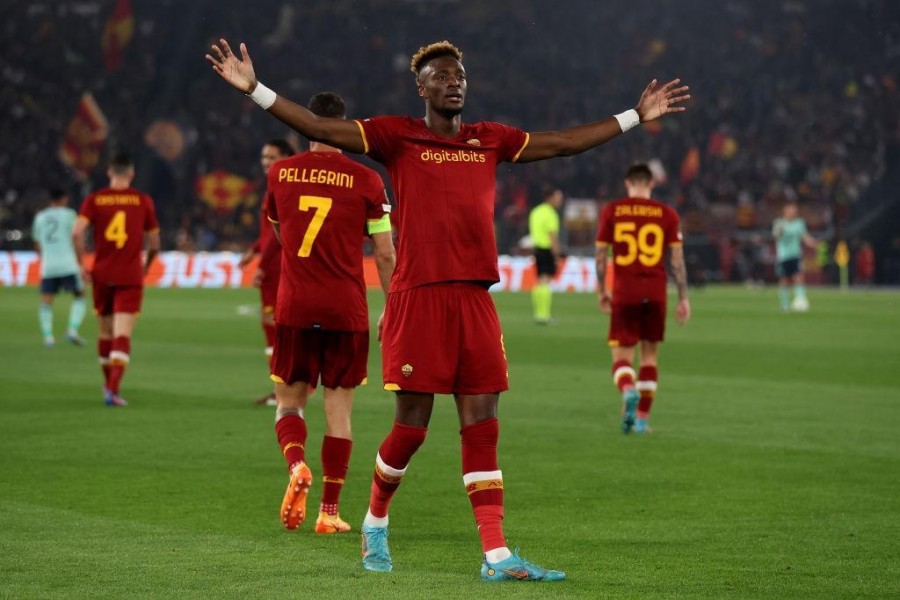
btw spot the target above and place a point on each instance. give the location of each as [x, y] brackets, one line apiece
[773, 471]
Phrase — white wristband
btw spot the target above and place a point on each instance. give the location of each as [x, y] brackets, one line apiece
[628, 119]
[263, 96]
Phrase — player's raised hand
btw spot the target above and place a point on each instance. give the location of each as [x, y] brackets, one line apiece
[238, 72]
[656, 102]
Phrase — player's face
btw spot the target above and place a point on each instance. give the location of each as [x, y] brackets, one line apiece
[267, 156]
[790, 211]
[442, 84]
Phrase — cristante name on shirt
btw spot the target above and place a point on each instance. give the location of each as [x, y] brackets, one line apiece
[117, 200]
[442, 156]
[638, 210]
[324, 176]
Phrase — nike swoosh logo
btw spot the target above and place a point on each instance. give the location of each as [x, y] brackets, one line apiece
[517, 574]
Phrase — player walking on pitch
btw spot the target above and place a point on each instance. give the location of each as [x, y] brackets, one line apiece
[268, 270]
[790, 236]
[52, 234]
[322, 204]
[639, 229]
[121, 216]
[441, 331]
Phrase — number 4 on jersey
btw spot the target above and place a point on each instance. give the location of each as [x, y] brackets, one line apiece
[321, 205]
[115, 231]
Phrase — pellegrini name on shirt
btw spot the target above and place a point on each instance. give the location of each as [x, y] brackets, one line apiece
[325, 176]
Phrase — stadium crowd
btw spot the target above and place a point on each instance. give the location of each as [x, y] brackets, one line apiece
[785, 107]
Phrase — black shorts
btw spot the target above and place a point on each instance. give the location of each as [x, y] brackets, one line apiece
[788, 268]
[545, 262]
[66, 283]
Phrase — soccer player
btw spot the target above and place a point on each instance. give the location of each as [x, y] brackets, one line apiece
[268, 270]
[543, 227]
[322, 204]
[121, 217]
[52, 234]
[441, 332]
[639, 230]
[790, 235]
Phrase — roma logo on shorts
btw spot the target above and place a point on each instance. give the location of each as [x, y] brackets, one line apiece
[406, 369]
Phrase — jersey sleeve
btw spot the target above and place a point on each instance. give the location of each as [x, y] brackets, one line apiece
[673, 229]
[379, 136]
[378, 209]
[88, 210]
[270, 207]
[151, 223]
[512, 141]
[604, 231]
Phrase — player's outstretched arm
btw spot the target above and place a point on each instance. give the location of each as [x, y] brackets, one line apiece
[655, 102]
[239, 74]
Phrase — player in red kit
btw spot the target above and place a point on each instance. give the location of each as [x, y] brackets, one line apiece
[322, 205]
[268, 270]
[639, 230]
[441, 331]
[121, 217]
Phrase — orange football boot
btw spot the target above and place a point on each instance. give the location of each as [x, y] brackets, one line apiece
[293, 507]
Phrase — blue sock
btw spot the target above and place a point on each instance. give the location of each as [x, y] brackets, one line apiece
[784, 297]
[45, 317]
[76, 314]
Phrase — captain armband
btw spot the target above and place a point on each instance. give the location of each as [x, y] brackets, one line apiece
[379, 225]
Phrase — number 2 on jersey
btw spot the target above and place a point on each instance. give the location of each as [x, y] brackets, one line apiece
[321, 205]
[115, 231]
[646, 246]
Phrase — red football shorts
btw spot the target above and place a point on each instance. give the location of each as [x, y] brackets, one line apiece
[338, 357]
[109, 299]
[268, 295]
[443, 338]
[631, 323]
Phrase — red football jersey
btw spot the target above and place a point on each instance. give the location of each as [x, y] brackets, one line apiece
[639, 231]
[119, 219]
[267, 244]
[321, 202]
[444, 191]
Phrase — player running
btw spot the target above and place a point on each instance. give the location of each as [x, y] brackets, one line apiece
[52, 234]
[441, 330]
[268, 270]
[322, 204]
[639, 229]
[121, 217]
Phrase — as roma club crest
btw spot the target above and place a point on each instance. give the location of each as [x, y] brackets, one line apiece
[406, 369]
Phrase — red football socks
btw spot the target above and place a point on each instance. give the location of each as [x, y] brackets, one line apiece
[291, 432]
[119, 357]
[104, 346]
[646, 385]
[484, 480]
[623, 375]
[335, 462]
[390, 465]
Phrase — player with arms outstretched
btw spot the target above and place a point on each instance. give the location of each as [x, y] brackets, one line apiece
[322, 204]
[639, 229]
[52, 234]
[122, 217]
[441, 330]
[268, 270]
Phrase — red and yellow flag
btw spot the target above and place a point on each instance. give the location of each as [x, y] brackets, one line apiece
[690, 166]
[117, 33]
[85, 134]
[223, 190]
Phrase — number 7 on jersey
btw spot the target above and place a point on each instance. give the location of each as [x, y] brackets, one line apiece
[321, 205]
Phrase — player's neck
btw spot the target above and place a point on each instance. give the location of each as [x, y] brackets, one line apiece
[119, 183]
[443, 124]
[320, 147]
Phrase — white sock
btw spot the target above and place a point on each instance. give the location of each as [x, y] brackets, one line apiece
[497, 555]
[373, 521]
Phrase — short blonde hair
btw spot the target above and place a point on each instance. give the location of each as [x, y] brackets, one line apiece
[431, 51]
